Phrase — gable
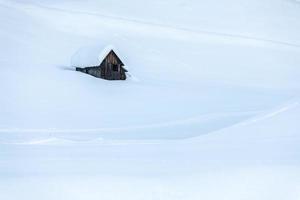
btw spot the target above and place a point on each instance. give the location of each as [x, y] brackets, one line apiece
[113, 58]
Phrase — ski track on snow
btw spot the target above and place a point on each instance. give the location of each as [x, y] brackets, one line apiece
[64, 140]
[271, 114]
[192, 120]
[96, 141]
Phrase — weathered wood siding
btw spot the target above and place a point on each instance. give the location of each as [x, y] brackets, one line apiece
[111, 68]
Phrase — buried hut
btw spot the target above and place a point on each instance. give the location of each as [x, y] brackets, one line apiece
[105, 64]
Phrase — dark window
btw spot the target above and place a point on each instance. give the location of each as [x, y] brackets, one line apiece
[115, 68]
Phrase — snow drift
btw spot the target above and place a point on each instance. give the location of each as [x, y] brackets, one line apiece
[214, 114]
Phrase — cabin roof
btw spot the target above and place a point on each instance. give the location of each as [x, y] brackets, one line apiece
[92, 56]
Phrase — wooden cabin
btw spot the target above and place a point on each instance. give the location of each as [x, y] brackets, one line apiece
[110, 67]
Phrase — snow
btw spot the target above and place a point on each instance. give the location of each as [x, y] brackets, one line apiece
[92, 55]
[261, 163]
[214, 113]
[87, 56]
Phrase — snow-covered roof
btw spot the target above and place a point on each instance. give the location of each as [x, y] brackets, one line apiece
[91, 55]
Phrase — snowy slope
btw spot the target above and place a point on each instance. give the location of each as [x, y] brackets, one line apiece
[257, 159]
[225, 74]
[222, 78]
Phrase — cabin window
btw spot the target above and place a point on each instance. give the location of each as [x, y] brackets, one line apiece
[115, 68]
